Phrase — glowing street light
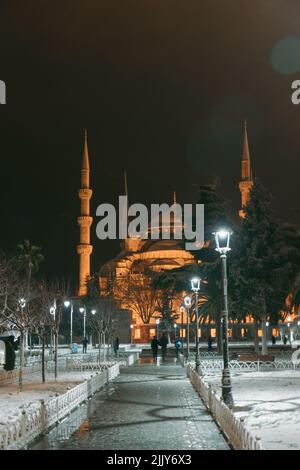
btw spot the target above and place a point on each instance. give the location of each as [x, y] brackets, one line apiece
[131, 334]
[67, 304]
[181, 326]
[222, 238]
[157, 323]
[187, 303]
[22, 303]
[83, 310]
[195, 283]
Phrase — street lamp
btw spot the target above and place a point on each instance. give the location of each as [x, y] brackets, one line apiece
[83, 310]
[187, 303]
[67, 304]
[291, 332]
[131, 334]
[181, 327]
[93, 312]
[195, 282]
[52, 310]
[157, 323]
[222, 238]
[22, 303]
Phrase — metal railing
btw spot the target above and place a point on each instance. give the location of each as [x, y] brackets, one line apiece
[10, 376]
[42, 416]
[214, 366]
[234, 429]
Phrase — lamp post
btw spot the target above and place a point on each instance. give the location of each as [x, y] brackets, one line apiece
[131, 334]
[67, 304]
[93, 312]
[175, 330]
[195, 282]
[22, 303]
[83, 310]
[187, 303]
[181, 326]
[53, 313]
[52, 340]
[222, 238]
[157, 323]
[291, 333]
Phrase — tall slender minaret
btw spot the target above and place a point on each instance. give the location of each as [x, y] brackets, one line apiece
[84, 249]
[246, 183]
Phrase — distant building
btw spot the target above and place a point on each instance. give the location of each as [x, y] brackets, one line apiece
[140, 255]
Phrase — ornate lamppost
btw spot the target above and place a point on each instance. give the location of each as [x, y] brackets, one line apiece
[83, 310]
[181, 326]
[222, 238]
[195, 282]
[157, 323]
[187, 303]
[67, 304]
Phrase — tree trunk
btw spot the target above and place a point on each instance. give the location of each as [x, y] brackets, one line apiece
[264, 336]
[169, 339]
[104, 352]
[21, 352]
[256, 345]
[99, 345]
[219, 335]
[43, 358]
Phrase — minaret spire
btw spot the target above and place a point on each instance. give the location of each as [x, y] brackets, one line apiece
[246, 182]
[174, 197]
[246, 153]
[84, 249]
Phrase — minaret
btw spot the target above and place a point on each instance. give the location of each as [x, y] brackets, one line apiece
[84, 249]
[246, 183]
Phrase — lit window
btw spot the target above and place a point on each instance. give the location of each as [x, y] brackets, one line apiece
[137, 333]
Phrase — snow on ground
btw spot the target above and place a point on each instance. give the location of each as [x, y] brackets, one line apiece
[12, 402]
[270, 404]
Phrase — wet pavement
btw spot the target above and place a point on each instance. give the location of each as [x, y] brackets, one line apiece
[149, 406]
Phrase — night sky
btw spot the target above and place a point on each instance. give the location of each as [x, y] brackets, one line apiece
[163, 87]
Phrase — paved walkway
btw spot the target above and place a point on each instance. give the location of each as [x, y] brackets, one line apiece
[147, 407]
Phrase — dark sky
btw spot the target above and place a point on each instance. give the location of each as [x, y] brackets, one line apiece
[163, 87]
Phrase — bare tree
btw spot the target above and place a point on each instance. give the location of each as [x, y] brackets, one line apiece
[61, 293]
[16, 296]
[43, 320]
[136, 294]
[102, 320]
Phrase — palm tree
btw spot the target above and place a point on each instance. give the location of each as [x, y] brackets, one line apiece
[29, 257]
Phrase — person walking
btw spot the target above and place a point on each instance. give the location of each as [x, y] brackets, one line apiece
[116, 345]
[85, 342]
[273, 339]
[154, 347]
[178, 346]
[163, 343]
[209, 343]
